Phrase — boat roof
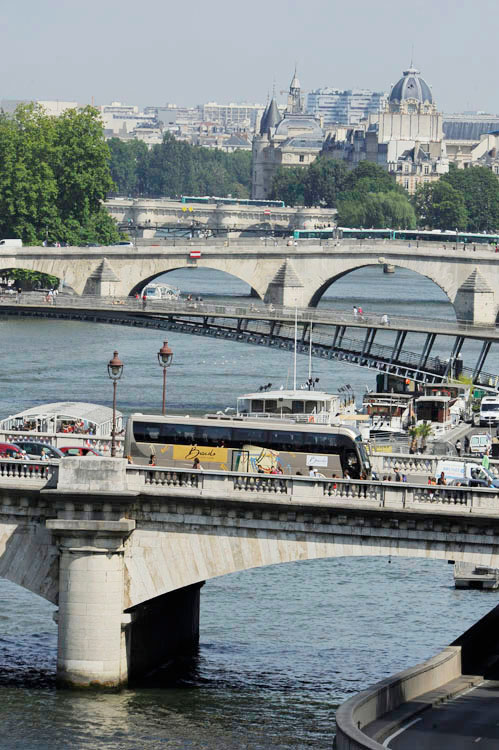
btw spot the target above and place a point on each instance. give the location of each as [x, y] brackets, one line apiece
[69, 409]
[435, 398]
[302, 395]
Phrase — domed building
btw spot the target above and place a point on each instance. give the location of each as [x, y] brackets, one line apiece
[406, 137]
[295, 139]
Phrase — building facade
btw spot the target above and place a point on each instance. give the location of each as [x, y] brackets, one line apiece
[345, 107]
[295, 139]
[405, 137]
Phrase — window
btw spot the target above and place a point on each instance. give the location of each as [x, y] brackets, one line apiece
[406, 184]
[427, 170]
[302, 158]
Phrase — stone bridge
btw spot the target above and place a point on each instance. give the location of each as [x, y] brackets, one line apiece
[296, 275]
[123, 550]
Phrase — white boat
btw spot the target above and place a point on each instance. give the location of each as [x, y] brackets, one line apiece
[443, 406]
[155, 292]
[297, 405]
[390, 413]
[64, 423]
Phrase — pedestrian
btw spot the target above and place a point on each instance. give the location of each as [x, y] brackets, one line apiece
[466, 445]
[144, 301]
[385, 320]
[197, 464]
[152, 460]
[458, 447]
[312, 472]
[360, 311]
[486, 459]
[441, 479]
[355, 311]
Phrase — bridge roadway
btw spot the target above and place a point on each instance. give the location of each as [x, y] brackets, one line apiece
[283, 274]
[334, 334]
[124, 549]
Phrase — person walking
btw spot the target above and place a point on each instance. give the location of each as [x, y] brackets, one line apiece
[466, 445]
[144, 301]
[355, 311]
[197, 464]
[486, 459]
[458, 447]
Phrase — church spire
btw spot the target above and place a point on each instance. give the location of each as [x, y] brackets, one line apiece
[295, 104]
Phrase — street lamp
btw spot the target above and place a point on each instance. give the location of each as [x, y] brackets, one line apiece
[165, 356]
[115, 371]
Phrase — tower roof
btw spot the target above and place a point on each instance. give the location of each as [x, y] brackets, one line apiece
[270, 117]
[411, 86]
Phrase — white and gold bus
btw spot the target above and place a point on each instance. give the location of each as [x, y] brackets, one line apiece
[236, 444]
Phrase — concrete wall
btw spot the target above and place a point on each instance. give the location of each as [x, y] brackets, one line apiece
[389, 694]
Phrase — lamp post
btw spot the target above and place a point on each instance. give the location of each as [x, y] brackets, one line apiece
[115, 371]
[165, 356]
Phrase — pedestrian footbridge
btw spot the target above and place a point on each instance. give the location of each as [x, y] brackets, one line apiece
[366, 341]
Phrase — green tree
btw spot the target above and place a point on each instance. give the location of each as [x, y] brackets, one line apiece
[377, 210]
[54, 174]
[440, 206]
[479, 188]
[288, 185]
[324, 180]
[368, 177]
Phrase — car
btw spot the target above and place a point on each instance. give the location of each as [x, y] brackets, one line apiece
[123, 242]
[79, 450]
[11, 450]
[39, 450]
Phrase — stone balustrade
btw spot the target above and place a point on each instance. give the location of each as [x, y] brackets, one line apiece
[14, 470]
[386, 463]
[310, 490]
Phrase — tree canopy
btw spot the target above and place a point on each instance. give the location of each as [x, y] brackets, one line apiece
[173, 168]
[377, 210]
[54, 173]
[466, 199]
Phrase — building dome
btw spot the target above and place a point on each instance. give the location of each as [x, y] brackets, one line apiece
[411, 86]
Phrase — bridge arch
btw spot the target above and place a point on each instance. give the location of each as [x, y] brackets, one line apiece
[239, 273]
[444, 285]
[211, 553]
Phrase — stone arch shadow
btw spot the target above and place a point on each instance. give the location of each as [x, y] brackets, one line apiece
[319, 292]
[27, 284]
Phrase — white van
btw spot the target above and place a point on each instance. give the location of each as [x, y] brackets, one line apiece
[466, 473]
[489, 411]
[12, 243]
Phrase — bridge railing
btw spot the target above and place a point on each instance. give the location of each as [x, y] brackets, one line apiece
[307, 490]
[14, 471]
[424, 464]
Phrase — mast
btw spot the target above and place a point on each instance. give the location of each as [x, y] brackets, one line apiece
[310, 353]
[296, 344]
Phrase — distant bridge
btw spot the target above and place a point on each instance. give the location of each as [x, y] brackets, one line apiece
[283, 274]
[327, 334]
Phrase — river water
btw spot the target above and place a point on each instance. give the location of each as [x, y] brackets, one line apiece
[281, 646]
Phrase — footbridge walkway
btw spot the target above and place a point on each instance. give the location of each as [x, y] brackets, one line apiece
[328, 334]
[123, 550]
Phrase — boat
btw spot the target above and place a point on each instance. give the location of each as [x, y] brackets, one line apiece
[296, 404]
[64, 422]
[471, 576]
[155, 292]
[390, 413]
[443, 406]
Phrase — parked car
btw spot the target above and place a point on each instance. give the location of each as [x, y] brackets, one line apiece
[39, 450]
[10, 450]
[79, 450]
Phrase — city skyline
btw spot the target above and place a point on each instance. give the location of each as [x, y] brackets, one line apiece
[109, 53]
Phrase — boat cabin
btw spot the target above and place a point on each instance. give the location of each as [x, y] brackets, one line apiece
[300, 405]
[64, 417]
[389, 412]
[155, 292]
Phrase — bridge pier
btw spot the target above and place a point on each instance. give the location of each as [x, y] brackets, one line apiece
[91, 645]
[475, 301]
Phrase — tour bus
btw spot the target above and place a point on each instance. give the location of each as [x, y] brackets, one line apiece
[236, 444]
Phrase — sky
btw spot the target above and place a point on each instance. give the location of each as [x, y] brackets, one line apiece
[187, 53]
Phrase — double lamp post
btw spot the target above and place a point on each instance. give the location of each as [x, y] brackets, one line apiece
[115, 371]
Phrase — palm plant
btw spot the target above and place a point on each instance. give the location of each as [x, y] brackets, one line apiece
[413, 434]
[424, 432]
